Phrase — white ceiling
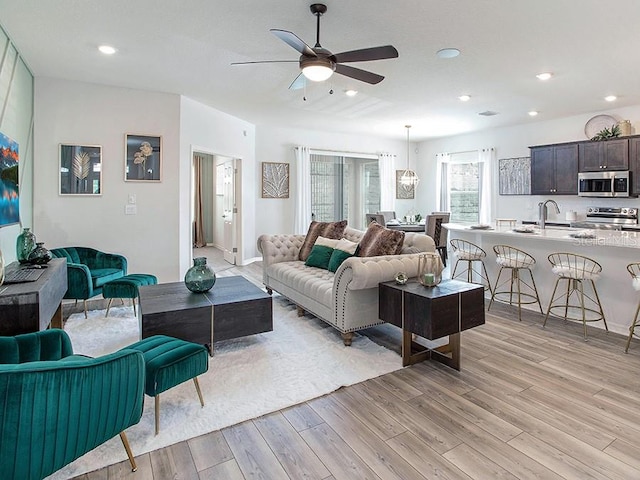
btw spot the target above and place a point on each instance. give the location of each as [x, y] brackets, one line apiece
[186, 47]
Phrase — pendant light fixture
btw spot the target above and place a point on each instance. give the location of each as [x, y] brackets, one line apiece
[408, 177]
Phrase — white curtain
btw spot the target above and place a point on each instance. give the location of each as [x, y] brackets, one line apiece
[442, 189]
[487, 158]
[302, 216]
[386, 168]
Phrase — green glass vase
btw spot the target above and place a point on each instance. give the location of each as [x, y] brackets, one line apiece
[25, 244]
[201, 277]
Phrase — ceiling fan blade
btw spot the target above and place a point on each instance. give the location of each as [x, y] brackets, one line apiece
[293, 40]
[367, 54]
[265, 61]
[298, 83]
[358, 74]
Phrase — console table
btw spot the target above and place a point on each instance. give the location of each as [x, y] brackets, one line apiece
[432, 313]
[33, 306]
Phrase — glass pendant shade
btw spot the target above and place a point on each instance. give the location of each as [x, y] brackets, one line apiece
[408, 177]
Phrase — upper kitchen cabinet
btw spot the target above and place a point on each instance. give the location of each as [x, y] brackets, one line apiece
[554, 169]
[605, 155]
[634, 163]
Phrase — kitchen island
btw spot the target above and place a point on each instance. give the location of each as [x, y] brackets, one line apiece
[614, 250]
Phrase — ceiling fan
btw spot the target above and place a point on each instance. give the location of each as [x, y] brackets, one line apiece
[318, 63]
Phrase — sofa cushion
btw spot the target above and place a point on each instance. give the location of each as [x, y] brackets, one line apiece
[378, 240]
[332, 230]
[310, 282]
[343, 250]
[321, 253]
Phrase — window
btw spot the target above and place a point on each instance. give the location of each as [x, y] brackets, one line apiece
[464, 185]
[344, 187]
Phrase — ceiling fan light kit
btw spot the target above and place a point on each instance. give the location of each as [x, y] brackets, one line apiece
[318, 64]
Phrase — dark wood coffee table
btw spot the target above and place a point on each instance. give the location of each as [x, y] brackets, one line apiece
[432, 313]
[233, 308]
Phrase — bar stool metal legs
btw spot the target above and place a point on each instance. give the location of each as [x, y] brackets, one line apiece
[523, 289]
[576, 271]
[470, 254]
[634, 271]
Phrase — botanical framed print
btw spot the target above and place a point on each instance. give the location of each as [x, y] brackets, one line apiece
[404, 192]
[275, 180]
[80, 169]
[143, 158]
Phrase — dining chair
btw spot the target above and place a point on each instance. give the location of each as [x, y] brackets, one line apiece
[433, 228]
[388, 215]
[375, 217]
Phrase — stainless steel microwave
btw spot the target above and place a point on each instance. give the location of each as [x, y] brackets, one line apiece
[604, 184]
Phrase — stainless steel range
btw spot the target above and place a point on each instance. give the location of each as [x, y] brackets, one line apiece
[615, 218]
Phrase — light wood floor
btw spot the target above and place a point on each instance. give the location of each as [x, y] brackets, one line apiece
[528, 404]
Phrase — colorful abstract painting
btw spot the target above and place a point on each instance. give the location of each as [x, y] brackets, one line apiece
[9, 192]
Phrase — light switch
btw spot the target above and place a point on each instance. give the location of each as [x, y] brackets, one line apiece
[131, 200]
[130, 210]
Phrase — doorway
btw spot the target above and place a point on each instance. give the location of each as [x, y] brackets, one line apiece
[215, 215]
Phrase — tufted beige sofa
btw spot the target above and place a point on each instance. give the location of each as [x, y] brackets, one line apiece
[348, 299]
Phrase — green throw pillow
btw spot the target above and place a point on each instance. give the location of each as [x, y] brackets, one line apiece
[321, 253]
[343, 250]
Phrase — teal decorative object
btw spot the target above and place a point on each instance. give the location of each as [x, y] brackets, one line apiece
[39, 255]
[25, 244]
[201, 277]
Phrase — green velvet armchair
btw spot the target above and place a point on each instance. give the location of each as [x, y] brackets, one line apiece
[56, 406]
[88, 270]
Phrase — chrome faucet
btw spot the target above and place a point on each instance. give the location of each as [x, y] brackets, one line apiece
[542, 212]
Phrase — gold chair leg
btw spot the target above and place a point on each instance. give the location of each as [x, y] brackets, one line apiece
[195, 381]
[109, 306]
[127, 448]
[517, 275]
[85, 308]
[487, 277]
[599, 305]
[584, 313]
[546, 317]
[157, 413]
[535, 289]
[632, 328]
[495, 287]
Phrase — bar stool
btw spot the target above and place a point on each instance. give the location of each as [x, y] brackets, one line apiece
[634, 271]
[470, 253]
[576, 270]
[515, 260]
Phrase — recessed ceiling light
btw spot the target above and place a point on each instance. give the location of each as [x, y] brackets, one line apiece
[350, 93]
[533, 113]
[464, 98]
[448, 53]
[544, 76]
[107, 49]
[610, 98]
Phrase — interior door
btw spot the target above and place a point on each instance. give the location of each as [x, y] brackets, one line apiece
[230, 211]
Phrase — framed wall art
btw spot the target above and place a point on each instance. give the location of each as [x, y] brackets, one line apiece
[404, 192]
[514, 176]
[275, 180]
[80, 169]
[143, 158]
[10, 198]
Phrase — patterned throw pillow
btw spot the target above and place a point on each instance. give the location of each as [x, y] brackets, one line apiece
[378, 240]
[321, 253]
[332, 230]
[343, 250]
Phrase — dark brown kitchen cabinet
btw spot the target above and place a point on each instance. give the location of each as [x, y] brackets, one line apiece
[605, 155]
[554, 169]
[634, 164]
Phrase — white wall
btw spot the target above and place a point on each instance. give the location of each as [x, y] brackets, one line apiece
[87, 114]
[274, 144]
[515, 142]
[205, 129]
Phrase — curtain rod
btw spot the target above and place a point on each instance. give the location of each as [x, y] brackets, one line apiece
[321, 151]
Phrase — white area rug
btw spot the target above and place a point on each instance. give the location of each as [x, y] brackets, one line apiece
[301, 359]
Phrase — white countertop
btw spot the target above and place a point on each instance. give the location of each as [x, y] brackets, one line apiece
[604, 238]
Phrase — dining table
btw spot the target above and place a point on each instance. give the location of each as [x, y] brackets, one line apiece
[407, 227]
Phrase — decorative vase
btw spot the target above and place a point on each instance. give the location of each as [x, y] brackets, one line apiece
[430, 269]
[25, 244]
[39, 255]
[201, 277]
